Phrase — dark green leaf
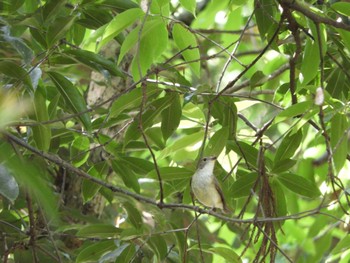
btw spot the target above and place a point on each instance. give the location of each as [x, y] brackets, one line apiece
[339, 140]
[283, 165]
[279, 197]
[158, 246]
[95, 251]
[11, 70]
[94, 61]
[138, 165]
[342, 7]
[243, 185]
[134, 216]
[228, 254]
[128, 176]
[90, 189]
[131, 100]
[72, 97]
[299, 185]
[294, 110]
[290, 143]
[264, 13]
[311, 61]
[171, 117]
[99, 231]
[171, 173]
[58, 29]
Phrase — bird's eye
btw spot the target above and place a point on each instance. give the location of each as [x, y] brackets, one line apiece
[204, 159]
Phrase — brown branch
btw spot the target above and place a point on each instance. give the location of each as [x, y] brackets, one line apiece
[306, 10]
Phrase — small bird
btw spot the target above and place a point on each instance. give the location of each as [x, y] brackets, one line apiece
[205, 187]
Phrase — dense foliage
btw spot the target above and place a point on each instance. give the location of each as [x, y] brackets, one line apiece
[108, 105]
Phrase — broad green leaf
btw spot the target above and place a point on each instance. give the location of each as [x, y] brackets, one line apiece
[150, 47]
[99, 231]
[119, 23]
[171, 118]
[171, 173]
[155, 136]
[183, 142]
[58, 29]
[264, 14]
[279, 197]
[120, 5]
[127, 254]
[345, 36]
[187, 43]
[337, 84]
[299, 185]
[243, 185]
[11, 70]
[225, 111]
[153, 111]
[246, 151]
[217, 143]
[310, 63]
[342, 7]
[41, 133]
[227, 253]
[94, 61]
[8, 185]
[290, 143]
[128, 176]
[134, 216]
[51, 9]
[189, 5]
[294, 110]
[158, 246]
[342, 246]
[80, 150]
[283, 165]
[72, 97]
[95, 251]
[90, 189]
[339, 140]
[138, 165]
[131, 100]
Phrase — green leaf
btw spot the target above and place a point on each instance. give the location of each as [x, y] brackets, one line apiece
[171, 173]
[58, 29]
[99, 231]
[345, 36]
[246, 151]
[134, 216]
[8, 185]
[158, 246]
[171, 117]
[337, 84]
[138, 165]
[80, 150]
[189, 5]
[217, 143]
[131, 100]
[11, 70]
[342, 7]
[264, 14]
[310, 63]
[225, 111]
[119, 23]
[94, 61]
[339, 140]
[41, 133]
[72, 97]
[185, 141]
[243, 185]
[283, 165]
[187, 43]
[342, 246]
[119, 5]
[127, 254]
[227, 253]
[288, 146]
[94, 252]
[154, 110]
[299, 185]
[294, 110]
[279, 197]
[90, 189]
[150, 47]
[128, 176]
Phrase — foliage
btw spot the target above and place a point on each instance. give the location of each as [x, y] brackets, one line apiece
[261, 84]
